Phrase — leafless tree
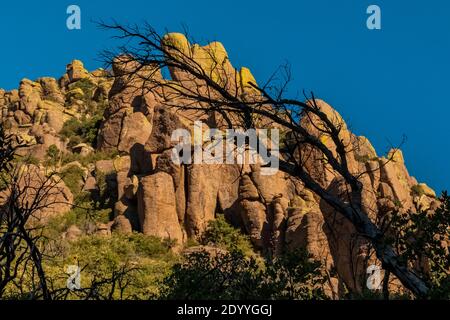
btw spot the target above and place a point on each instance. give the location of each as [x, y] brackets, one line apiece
[20, 256]
[22, 201]
[24, 194]
[219, 90]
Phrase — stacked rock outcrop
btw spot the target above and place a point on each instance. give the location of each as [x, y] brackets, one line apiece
[160, 198]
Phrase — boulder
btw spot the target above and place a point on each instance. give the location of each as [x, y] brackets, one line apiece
[30, 96]
[121, 225]
[51, 90]
[55, 119]
[2, 97]
[83, 149]
[136, 129]
[373, 170]
[90, 184]
[157, 208]
[109, 133]
[305, 230]
[363, 149]
[203, 187]
[105, 166]
[348, 249]
[164, 123]
[254, 217]
[76, 71]
[277, 221]
[50, 196]
[394, 173]
[125, 101]
[385, 191]
[21, 117]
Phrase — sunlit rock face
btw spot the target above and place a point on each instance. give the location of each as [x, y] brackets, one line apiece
[160, 198]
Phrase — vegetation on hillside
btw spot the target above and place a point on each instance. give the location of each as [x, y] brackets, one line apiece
[221, 264]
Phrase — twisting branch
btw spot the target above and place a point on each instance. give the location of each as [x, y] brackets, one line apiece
[210, 89]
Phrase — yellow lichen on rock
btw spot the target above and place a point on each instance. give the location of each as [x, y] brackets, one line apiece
[396, 155]
[27, 139]
[201, 56]
[212, 59]
[246, 79]
[422, 188]
[49, 105]
[324, 139]
[217, 52]
[75, 93]
[121, 163]
[175, 40]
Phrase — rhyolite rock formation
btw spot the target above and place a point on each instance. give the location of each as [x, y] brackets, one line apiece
[159, 198]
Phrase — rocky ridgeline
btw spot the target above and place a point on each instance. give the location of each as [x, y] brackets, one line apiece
[36, 114]
[159, 198]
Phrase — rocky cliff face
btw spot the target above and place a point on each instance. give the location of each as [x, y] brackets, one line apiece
[159, 198]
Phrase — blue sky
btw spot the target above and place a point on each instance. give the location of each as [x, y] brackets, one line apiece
[386, 83]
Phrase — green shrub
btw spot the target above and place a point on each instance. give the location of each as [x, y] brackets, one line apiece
[120, 247]
[233, 276]
[421, 239]
[222, 234]
[84, 130]
[86, 85]
[53, 156]
[145, 260]
[28, 159]
[73, 178]
[83, 214]
[70, 128]
[398, 203]
[416, 190]
[107, 187]
[362, 158]
[5, 179]
[53, 151]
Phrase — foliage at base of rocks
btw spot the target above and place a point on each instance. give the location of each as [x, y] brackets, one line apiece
[84, 130]
[72, 177]
[143, 261]
[422, 242]
[220, 233]
[89, 159]
[233, 276]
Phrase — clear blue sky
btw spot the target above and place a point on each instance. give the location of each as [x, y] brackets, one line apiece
[385, 83]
